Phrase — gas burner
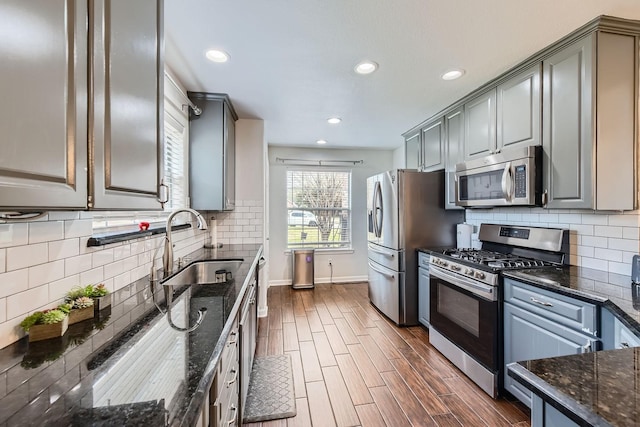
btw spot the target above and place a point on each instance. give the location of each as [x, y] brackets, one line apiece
[493, 260]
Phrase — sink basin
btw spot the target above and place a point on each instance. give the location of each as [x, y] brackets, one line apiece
[202, 272]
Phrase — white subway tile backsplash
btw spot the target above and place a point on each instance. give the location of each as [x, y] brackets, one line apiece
[24, 302]
[78, 228]
[113, 269]
[77, 264]
[27, 256]
[3, 260]
[595, 219]
[598, 242]
[631, 233]
[607, 231]
[63, 249]
[586, 251]
[121, 281]
[44, 273]
[624, 220]
[570, 218]
[46, 231]
[14, 235]
[624, 244]
[14, 282]
[3, 310]
[583, 230]
[595, 263]
[63, 216]
[102, 257]
[59, 288]
[92, 277]
[608, 254]
[620, 268]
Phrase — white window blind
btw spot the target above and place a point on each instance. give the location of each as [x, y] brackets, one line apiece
[318, 209]
[174, 170]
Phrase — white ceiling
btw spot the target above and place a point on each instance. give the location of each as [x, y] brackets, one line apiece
[292, 61]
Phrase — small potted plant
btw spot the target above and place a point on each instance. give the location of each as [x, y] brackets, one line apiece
[46, 324]
[79, 309]
[99, 294]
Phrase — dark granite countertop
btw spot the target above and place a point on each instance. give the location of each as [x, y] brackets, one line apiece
[127, 366]
[600, 388]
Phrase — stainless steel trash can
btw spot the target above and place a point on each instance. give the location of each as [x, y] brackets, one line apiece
[302, 266]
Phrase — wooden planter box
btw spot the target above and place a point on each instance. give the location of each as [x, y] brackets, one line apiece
[101, 303]
[78, 315]
[44, 332]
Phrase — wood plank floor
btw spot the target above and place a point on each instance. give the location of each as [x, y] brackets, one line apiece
[352, 367]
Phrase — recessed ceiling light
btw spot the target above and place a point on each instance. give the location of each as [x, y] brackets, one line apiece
[334, 120]
[366, 67]
[217, 55]
[321, 141]
[452, 74]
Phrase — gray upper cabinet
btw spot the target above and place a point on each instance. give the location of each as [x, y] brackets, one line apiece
[412, 150]
[433, 152]
[519, 111]
[480, 125]
[127, 113]
[454, 153]
[44, 105]
[92, 137]
[588, 123]
[212, 153]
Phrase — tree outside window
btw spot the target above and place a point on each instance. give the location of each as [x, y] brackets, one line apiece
[319, 209]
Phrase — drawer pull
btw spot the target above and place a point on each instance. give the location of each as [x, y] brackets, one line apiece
[234, 335]
[587, 348]
[234, 379]
[233, 420]
[537, 301]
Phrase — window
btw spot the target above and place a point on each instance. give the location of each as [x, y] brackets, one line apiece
[174, 170]
[318, 209]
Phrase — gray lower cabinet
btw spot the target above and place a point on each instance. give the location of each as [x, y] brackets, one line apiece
[519, 110]
[423, 289]
[224, 396]
[545, 415]
[480, 125]
[212, 153]
[615, 334]
[92, 138]
[433, 151]
[248, 334]
[454, 153]
[540, 324]
[588, 123]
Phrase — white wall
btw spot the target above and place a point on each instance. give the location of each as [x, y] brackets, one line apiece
[349, 265]
[399, 158]
[603, 241]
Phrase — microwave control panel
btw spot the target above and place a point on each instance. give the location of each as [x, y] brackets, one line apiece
[521, 181]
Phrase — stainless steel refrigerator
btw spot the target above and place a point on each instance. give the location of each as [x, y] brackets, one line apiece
[405, 212]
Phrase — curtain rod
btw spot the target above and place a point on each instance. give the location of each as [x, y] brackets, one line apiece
[196, 110]
[318, 161]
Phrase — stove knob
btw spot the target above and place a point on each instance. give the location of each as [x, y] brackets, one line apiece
[468, 271]
[455, 267]
[479, 275]
[444, 263]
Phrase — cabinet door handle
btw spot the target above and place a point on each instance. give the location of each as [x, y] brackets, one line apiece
[234, 379]
[545, 198]
[234, 334]
[537, 301]
[234, 408]
[587, 348]
[165, 193]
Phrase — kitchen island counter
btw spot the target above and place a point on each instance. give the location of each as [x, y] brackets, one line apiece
[128, 366]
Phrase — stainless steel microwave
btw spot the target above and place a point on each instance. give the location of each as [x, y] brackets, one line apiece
[509, 178]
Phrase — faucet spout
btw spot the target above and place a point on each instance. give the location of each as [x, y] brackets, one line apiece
[167, 257]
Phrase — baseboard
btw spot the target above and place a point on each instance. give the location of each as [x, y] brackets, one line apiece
[323, 280]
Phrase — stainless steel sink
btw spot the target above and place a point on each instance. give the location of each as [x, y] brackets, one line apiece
[202, 272]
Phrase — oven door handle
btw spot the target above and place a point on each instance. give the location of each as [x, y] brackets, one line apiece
[384, 273]
[480, 289]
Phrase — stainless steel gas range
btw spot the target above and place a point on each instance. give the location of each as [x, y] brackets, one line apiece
[466, 295]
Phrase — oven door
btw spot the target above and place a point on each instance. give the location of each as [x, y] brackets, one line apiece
[466, 313]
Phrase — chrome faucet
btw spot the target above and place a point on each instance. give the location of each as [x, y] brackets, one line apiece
[167, 257]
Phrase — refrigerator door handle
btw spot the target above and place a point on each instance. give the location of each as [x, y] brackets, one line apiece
[385, 253]
[378, 208]
[384, 273]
